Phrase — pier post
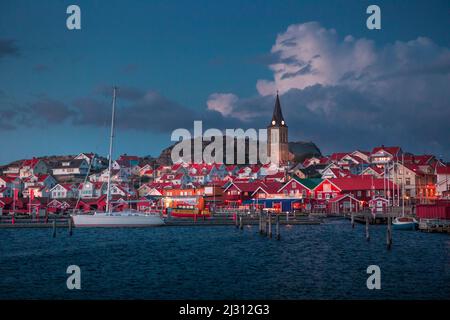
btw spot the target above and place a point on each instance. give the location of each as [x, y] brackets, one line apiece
[287, 216]
[389, 233]
[241, 226]
[367, 228]
[277, 228]
[236, 222]
[260, 221]
[70, 226]
[264, 224]
[270, 224]
[352, 220]
[54, 228]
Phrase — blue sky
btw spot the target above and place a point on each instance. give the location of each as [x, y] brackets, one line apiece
[177, 61]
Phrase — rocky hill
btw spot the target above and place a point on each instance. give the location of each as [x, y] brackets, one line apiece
[299, 151]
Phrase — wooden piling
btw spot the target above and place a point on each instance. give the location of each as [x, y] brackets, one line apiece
[260, 222]
[353, 220]
[54, 228]
[241, 226]
[236, 222]
[389, 233]
[264, 223]
[277, 228]
[270, 224]
[70, 226]
[367, 228]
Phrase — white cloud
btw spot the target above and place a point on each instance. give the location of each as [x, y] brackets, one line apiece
[309, 54]
[360, 93]
[224, 103]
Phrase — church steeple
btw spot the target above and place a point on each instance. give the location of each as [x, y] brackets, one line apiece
[277, 117]
[277, 136]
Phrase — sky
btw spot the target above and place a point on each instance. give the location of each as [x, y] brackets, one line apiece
[341, 85]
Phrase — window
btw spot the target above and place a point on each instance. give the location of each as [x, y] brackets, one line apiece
[359, 193]
[319, 196]
[408, 181]
[368, 193]
[327, 196]
[294, 185]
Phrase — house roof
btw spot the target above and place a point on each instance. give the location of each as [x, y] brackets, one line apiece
[269, 187]
[309, 183]
[443, 170]
[7, 179]
[391, 150]
[30, 162]
[245, 186]
[360, 183]
[74, 163]
[338, 156]
[341, 197]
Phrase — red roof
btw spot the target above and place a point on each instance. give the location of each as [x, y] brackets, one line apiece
[246, 186]
[391, 150]
[338, 156]
[418, 159]
[270, 187]
[360, 183]
[278, 175]
[443, 170]
[30, 163]
[7, 179]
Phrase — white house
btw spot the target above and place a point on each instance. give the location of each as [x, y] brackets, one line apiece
[443, 181]
[92, 189]
[78, 167]
[64, 191]
[383, 155]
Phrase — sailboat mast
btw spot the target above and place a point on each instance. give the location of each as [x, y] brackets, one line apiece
[108, 192]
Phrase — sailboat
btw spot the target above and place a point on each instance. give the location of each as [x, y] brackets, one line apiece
[109, 218]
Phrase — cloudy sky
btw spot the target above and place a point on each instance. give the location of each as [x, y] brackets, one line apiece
[342, 86]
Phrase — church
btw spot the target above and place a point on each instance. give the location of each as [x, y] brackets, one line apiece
[277, 132]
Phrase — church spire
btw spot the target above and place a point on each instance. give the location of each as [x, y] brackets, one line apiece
[277, 117]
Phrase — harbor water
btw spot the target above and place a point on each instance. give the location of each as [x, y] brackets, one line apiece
[327, 261]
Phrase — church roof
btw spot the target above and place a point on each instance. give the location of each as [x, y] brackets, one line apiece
[277, 114]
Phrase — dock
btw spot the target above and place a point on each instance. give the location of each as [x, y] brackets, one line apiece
[434, 225]
[218, 219]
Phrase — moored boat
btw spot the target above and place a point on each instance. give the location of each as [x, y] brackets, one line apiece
[110, 218]
[117, 219]
[405, 223]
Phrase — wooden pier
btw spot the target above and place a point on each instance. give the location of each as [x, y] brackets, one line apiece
[238, 219]
[434, 225]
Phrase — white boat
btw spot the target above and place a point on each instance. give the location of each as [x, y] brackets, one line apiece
[117, 219]
[405, 223]
[127, 218]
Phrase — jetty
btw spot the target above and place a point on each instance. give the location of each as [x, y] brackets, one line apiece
[229, 218]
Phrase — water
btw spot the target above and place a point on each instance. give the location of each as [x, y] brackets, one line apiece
[327, 261]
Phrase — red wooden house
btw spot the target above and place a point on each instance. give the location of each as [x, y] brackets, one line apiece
[238, 192]
[363, 188]
[344, 203]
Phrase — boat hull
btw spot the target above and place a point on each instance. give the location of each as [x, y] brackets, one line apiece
[103, 220]
[405, 225]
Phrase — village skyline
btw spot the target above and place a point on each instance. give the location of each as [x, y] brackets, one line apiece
[343, 86]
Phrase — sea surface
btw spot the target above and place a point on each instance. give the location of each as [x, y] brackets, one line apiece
[327, 261]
